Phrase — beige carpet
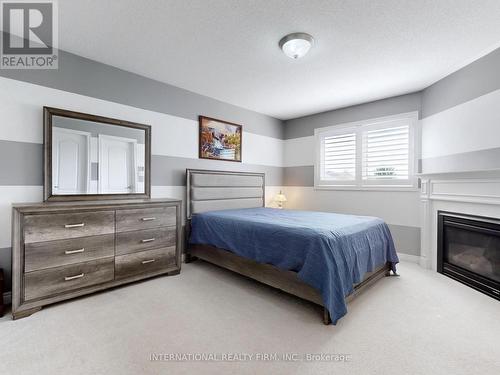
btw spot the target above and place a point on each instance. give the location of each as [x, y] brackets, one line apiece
[419, 323]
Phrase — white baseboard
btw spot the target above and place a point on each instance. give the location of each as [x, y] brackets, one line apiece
[409, 258]
[7, 298]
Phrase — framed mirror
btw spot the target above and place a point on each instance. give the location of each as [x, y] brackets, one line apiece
[89, 157]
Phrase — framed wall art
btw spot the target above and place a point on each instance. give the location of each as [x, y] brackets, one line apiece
[219, 140]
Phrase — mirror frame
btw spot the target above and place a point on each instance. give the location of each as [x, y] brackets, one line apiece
[48, 113]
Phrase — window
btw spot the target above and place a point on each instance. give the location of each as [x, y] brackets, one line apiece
[371, 154]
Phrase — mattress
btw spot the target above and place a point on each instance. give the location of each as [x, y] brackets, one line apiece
[330, 252]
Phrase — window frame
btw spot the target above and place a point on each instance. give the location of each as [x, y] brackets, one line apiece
[359, 127]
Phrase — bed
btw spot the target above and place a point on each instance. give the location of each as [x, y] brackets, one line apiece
[325, 258]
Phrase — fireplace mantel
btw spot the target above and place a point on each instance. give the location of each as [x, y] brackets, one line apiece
[469, 192]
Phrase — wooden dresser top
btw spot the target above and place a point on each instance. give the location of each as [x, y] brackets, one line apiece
[108, 203]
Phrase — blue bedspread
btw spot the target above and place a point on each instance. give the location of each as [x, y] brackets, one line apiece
[330, 252]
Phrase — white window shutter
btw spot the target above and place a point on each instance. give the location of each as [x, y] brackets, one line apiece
[339, 157]
[376, 154]
[386, 154]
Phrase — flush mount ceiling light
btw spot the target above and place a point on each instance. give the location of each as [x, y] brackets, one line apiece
[296, 45]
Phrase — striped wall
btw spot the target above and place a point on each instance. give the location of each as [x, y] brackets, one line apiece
[461, 124]
[87, 86]
[459, 116]
[400, 209]
[83, 76]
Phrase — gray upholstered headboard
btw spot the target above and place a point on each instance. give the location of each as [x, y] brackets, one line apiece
[209, 190]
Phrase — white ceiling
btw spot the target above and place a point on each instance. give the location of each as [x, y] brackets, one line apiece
[228, 49]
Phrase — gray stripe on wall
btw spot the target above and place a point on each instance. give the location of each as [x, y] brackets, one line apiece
[298, 176]
[464, 162]
[91, 78]
[470, 82]
[304, 126]
[171, 171]
[21, 163]
[406, 239]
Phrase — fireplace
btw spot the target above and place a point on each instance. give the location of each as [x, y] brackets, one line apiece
[469, 251]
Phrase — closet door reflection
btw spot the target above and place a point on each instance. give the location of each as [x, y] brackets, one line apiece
[96, 158]
[71, 161]
[118, 162]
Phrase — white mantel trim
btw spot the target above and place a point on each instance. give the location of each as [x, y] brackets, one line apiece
[483, 191]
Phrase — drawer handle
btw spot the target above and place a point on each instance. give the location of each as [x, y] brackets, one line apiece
[68, 278]
[148, 218]
[74, 225]
[148, 240]
[68, 252]
[148, 261]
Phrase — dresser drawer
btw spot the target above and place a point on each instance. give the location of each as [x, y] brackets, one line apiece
[145, 218]
[139, 240]
[40, 228]
[144, 262]
[40, 255]
[57, 280]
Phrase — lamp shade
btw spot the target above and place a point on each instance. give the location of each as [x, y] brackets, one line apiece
[280, 197]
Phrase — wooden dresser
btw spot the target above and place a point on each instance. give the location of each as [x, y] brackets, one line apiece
[62, 250]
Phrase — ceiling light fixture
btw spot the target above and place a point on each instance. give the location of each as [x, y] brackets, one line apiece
[296, 45]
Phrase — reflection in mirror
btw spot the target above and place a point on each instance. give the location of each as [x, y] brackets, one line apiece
[96, 158]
